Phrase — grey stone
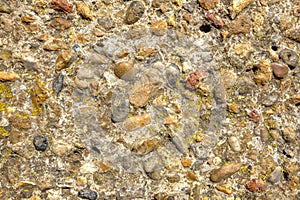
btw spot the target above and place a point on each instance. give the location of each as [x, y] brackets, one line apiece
[134, 12]
[275, 175]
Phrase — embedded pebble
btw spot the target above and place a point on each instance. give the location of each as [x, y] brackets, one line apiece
[8, 76]
[238, 6]
[289, 134]
[40, 142]
[84, 10]
[159, 28]
[215, 20]
[208, 4]
[137, 122]
[87, 194]
[256, 185]
[275, 175]
[62, 5]
[172, 76]
[224, 172]
[124, 70]
[279, 70]
[289, 57]
[226, 188]
[120, 106]
[145, 88]
[134, 12]
[234, 143]
[107, 23]
[241, 24]
[63, 60]
[58, 83]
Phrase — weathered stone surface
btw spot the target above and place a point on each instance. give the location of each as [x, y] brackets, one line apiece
[264, 74]
[226, 188]
[137, 122]
[241, 24]
[289, 134]
[208, 4]
[238, 6]
[84, 10]
[159, 28]
[145, 88]
[63, 60]
[225, 172]
[134, 12]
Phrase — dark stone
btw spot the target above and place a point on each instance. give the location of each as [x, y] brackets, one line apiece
[58, 83]
[205, 28]
[87, 194]
[289, 57]
[134, 12]
[40, 143]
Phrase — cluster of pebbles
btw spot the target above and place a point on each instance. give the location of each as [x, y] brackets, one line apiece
[149, 99]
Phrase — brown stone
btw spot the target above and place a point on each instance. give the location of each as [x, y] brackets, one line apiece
[27, 19]
[124, 70]
[60, 24]
[224, 172]
[134, 12]
[208, 4]
[8, 76]
[192, 176]
[289, 134]
[215, 20]
[279, 70]
[242, 24]
[137, 122]
[63, 60]
[238, 6]
[226, 188]
[62, 5]
[186, 162]
[145, 147]
[159, 28]
[264, 73]
[55, 45]
[84, 10]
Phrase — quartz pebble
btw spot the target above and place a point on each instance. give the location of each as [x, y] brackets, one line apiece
[134, 12]
[224, 172]
[40, 142]
[234, 143]
[275, 175]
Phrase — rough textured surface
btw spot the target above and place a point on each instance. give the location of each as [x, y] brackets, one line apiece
[161, 99]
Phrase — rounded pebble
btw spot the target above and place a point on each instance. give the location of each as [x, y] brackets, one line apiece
[289, 57]
[234, 143]
[87, 194]
[279, 70]
[134, 12]
[40, 142]
[224, 172]
[124, 70]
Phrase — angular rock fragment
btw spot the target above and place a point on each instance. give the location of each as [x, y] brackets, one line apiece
[145, 147]
[40, 142]
[145, 88]
[62, 5]
[225, 172]
[55, 45]
[137, 122]
[63, 60]
[226, 188]
[275, 175]
[58, 83]
[60, 24]
[134, 12]
[87, 194]
[208, 4]
[84, 10]
[256, 185]
[238, 6]
[120, 106]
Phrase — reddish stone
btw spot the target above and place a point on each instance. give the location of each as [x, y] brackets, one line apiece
[256, 185]
[254, 116]
[279, 70]
[194, 79]
[62, 5]
[215, 20]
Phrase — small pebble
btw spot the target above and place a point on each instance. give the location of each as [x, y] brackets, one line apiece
[224, 172]
[289, 57]
[208, 4]
[107, 23]
[84, 10]
[124, 71]
[279, 70]
[87, 194]
[159, 28]
[40, 143]
[234, 143]
[136, 122]
[134, 12]
[62, 5]
[256, 185]
[215, 20]
[289, 134]
[186, 162]
[275, 175]
[226, 188]
[58, 83]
